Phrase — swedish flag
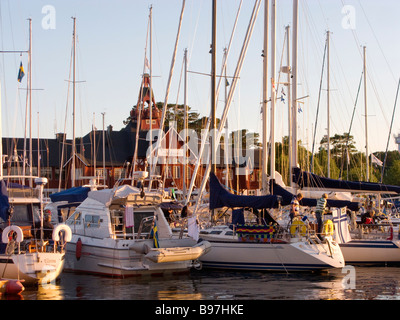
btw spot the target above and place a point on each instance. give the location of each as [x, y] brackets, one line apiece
[21, 72]
[154, 234]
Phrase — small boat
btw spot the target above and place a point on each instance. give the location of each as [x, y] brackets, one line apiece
[123, 232]
[178, 254]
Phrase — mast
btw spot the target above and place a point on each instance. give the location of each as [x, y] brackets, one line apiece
[366, 113]
[185, 127]
[30, 102]
[213, 93]
[289, 97]
[265, 99]
[104, 152]
[294, 87]
[273, 89]
[151, 92]
[328, 106]
[73, 102]
[213, 82]
[226, 140]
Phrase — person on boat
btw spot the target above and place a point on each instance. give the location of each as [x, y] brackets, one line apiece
[295, 207]
[319, 211]
[369, 215]
[47, 227]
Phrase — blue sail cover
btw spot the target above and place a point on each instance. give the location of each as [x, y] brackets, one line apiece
[310, 180]
[75, 194]
[220, 197]
[309, 202]
[4, 204]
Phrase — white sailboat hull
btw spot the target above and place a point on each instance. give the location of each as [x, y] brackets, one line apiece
[34, 268]
[299, 256]
[365, 251]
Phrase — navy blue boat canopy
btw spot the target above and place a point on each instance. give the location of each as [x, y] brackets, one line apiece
[75, 194]
[310, 202]
[220, 197]
[311, 180]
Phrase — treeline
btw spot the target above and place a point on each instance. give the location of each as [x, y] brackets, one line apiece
[346, 163]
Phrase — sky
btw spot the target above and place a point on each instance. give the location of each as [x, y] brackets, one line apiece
[111, 47]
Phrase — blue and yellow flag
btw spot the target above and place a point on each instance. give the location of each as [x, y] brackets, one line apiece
[154, 234]
[21, 72]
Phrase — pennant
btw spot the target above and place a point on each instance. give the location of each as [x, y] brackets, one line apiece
[21, 72]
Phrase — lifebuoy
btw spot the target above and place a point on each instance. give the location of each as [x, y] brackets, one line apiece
[328, 228]
[78, 249]
[298, 226]
[66, 229]
[16, 229]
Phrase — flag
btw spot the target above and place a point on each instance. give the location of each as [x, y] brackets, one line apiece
[339, 217]
[21, 72]
[146, 63]
[376, 160]
[154, 234]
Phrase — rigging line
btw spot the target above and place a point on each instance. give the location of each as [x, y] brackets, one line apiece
[377, 40]
[65, 121]
[390, 132]
[351, 124]
[319, 99]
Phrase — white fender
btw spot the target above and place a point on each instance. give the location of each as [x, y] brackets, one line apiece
[62, 227]
[6, 231]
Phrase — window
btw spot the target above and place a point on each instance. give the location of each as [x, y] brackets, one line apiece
[75, 219]
[177, 172]
[100, 173]
[92, 221]
[146, 226]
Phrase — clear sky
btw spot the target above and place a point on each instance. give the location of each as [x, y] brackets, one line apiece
[110, 58]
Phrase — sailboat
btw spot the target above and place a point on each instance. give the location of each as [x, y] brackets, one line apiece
[360, 244]
[27, 253]
[265, 245]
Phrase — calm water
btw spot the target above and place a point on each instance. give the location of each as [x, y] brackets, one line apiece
[368, 283]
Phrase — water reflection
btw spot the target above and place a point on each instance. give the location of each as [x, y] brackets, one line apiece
[370, 283]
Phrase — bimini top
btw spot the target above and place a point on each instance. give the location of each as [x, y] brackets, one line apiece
[220, 197]
[75, 194]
